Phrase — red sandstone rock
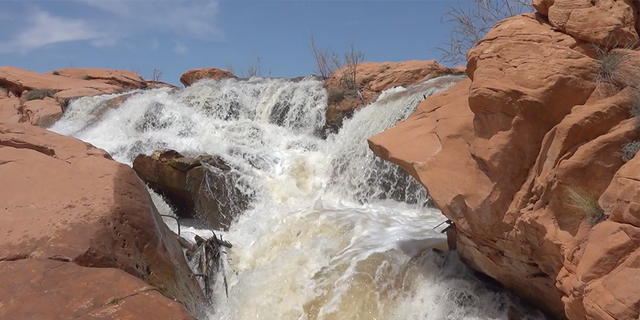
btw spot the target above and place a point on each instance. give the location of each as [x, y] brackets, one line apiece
[35, 91]
[192, 76]
[124, 79]
[9, 110]
[50, 289]
[18, 80]
[41, 113]
[602, 22]
[373, 78]
[65, 200]
[500, 153]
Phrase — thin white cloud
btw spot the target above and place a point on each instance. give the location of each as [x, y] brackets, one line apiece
[43, 29]
[180, 48]
[155, 44]
[190, 18]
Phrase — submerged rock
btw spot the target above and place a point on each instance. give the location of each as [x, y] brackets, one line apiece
[525, 157]
[203, 187]
[78, 223]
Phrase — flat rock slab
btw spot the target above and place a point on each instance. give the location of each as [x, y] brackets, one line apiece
[49, 289]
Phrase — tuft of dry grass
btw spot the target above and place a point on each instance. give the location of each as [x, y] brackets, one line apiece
[587, 204]
[610, 66]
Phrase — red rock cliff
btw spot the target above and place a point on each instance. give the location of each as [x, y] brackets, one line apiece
[526, 157]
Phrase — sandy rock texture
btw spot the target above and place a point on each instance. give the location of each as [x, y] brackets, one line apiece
[75, 222]
[525, 157]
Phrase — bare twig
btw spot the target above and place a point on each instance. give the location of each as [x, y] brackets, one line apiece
[157, 74]
[473, 20]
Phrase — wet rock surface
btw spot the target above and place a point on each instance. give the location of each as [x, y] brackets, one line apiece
[201, 187]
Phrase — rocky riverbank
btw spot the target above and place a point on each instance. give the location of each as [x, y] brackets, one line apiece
[85, 226]
[532, 157]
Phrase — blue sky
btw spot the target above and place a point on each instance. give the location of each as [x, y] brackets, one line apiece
[178, 35]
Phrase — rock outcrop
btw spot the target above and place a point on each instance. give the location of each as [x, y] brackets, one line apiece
[525, 157]
[80, 224]
[192, 76]
[40, 99]
[200, 187]
[159, 84]
[348, 93]
[123, 79]
[601, 22]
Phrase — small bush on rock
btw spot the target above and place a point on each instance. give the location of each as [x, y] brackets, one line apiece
[335, 96]
[471, 20]
[610, 63]
[629, 150]
[56, 73]
[39, 94]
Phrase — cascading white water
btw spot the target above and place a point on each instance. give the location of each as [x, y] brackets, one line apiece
[332, 231]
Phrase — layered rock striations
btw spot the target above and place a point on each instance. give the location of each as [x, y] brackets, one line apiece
[526, 158]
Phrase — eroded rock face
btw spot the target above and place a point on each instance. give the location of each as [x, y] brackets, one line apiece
[202, 187]
[192, 76]
[373, 78]
[66, 201]
[43, 97]
[601, 22]
[502, 153]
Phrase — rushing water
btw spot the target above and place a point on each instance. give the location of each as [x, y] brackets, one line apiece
[333, 232]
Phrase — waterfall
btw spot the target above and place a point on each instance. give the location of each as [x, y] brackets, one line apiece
[332, 232]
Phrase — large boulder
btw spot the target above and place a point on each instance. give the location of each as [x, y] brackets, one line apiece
[201, 187]
[192, 76]
[43, 97]
[371, 79]
[525, 158]
[68, 203]
[601, 22]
